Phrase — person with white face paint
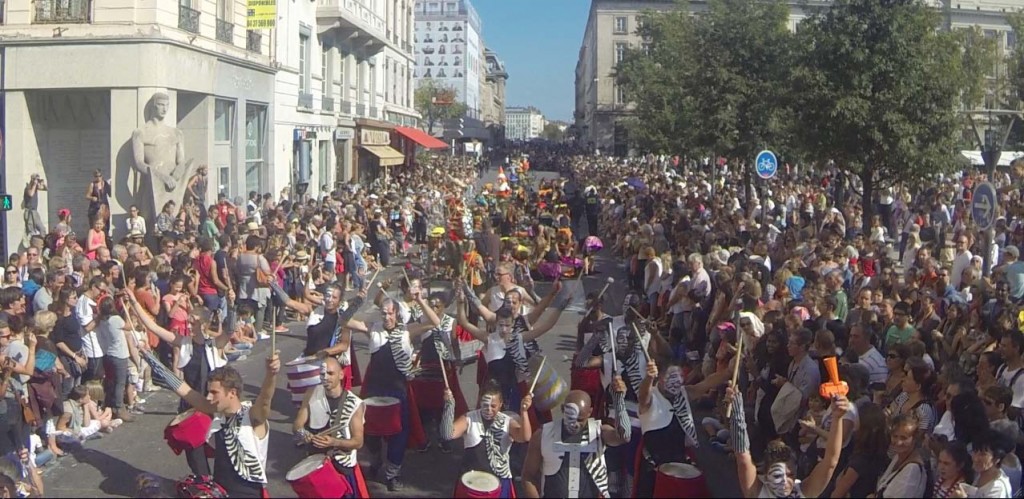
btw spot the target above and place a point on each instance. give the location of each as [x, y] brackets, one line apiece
[488, 433]
[438, 345]
[566, 458]
[778, 478]
[387, 375]
[666, 421]
[330, 405]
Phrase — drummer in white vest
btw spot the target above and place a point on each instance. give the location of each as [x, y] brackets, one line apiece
[324, 336]
[239, 431]
[666, 420]
[627, 359]
[388, 375]
[331, 420]
[199, 356]
[489, 434]
[566, 458]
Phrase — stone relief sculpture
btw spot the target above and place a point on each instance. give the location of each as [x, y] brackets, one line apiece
[158, 153]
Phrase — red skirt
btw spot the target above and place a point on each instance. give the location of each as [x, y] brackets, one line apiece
[430, 391]
[589, 380]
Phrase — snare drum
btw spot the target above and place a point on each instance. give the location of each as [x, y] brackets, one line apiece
[383, 416]
[680, 480]
[315, 476]
[477, 484]
[551, 388]
[187, 431]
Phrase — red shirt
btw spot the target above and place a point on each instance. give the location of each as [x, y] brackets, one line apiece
[223, 210]
[204, 266]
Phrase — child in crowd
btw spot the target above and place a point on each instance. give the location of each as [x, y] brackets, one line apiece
[82, 418]
[243, 337]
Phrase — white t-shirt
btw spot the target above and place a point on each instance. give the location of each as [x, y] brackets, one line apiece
[327, 246]
[961, 262]
[1005, 378]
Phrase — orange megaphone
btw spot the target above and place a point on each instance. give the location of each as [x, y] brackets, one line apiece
[834, 386]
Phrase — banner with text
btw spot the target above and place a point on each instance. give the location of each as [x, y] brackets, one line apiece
[261, 14]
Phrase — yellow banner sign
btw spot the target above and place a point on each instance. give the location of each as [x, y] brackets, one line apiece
[260, 14]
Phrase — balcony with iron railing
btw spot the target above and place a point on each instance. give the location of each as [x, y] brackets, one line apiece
[62, 11]
[225, 31]
[360, 109]
[346, 107]
[254, 41]
[305, 100]
[327, 104]
[373, 111]
[188, 18]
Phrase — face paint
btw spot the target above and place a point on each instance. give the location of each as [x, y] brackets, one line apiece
[673, 382]
[487, 409]
[571, 417]
[777, 479]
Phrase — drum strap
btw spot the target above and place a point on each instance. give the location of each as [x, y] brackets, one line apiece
[441, 335]
[493, 436]
[245, 463]
[402, 359]
[681, 407]
[343, 416]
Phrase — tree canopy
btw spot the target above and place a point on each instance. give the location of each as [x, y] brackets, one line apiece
[436, 102]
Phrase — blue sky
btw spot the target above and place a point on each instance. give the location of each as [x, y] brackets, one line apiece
[539, 40]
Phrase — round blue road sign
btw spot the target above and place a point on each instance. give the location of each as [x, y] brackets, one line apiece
[983, 205]
[766, 164]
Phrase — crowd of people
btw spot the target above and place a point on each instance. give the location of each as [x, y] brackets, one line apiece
[826, 352]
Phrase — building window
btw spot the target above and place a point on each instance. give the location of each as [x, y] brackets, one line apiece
[620, 51]
[303, 63]
[621, 25]
[1011, 40]
[639, 22]
[224, 178]
[223, 120]
[327, 90]
[620, 95]
[646, 47]
[255, 145]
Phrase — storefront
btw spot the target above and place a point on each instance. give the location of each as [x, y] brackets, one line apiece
[408, 139]
[374, 154]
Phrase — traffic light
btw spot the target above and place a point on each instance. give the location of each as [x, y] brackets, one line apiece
[6, 202]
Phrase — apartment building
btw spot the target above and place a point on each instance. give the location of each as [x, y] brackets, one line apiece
[611, 30]
[82, 78]
[523, 123]
[449, 49]
[492, 95]
[343, 87]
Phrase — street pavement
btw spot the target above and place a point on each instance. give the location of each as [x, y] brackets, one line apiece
[108, 467]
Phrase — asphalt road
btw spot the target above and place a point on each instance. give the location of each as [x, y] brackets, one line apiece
[107, 467]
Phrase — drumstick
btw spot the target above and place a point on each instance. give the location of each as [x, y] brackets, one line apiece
[597, 301]
[407, 281]
[444, 374]
[735, 372]
[537, 376]
[640, 340]
[273, 330]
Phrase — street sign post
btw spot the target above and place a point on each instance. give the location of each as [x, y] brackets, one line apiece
[983, 205]
[766, 164]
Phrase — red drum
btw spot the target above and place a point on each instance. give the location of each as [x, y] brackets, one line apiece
[477, 484]
[680, 480]
[187, 431]
[383, 416]
[315, 476]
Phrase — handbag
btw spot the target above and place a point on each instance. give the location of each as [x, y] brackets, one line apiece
[263, 279]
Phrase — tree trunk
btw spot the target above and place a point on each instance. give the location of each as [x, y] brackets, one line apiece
[867, 179]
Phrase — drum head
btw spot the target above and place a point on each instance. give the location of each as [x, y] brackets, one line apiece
[480, 481]
[381, 401]
[300, 361]
[679, 470]
[181, 417]
[305, 467]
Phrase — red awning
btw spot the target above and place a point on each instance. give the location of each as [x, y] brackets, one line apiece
[420, 137]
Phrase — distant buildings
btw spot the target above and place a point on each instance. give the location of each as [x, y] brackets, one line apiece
[492, 96]
[611, 30]
[523, 123]
[449, 49]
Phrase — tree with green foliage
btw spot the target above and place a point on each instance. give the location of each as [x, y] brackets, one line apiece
[552, 132]
[879, 90]
[654, 77]
[437, 102]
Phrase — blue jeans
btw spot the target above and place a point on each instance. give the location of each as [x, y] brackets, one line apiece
[213, 302]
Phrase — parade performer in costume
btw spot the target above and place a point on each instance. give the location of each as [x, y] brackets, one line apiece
[239, 429]
[511, 341]
[666, 421]
[778, 478]
[627, 359]
[566, 458]
[409, 310]
[440, 344]
[324, 337]
[199, 356]
[330, 405]
[584, 376]
[489, 434]
[388, 376]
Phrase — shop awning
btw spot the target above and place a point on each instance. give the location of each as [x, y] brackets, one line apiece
[420, 137]
[389, 156]
[1005, 158]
